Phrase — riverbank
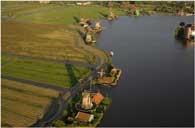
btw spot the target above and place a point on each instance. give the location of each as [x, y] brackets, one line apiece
[66, 14]
[39, 52]
[156, 69]
[69, 119]
[37, 33]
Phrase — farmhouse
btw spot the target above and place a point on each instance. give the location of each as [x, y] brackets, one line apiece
[97, 98]
[84, 117]
[44, 1]
[83, 3]
[106, 80]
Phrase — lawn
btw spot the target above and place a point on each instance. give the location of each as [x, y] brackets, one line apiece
[43, 71]
[22, 104]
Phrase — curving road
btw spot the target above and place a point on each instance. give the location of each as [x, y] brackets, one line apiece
[58, 105]
[102, 58]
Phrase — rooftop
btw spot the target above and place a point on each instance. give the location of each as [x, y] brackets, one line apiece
[106, 80]
[85, 117]
[97, 98]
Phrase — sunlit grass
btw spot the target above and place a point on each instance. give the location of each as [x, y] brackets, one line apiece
[22, 104]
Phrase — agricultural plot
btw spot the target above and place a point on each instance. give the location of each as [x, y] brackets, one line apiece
[43, 41]
[55, 12]
[13, 9]
[67, 15]
[51, 37]
[44, 72]
[22, 104]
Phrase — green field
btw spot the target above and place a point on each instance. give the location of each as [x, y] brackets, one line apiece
[21, 104]
[67, 14]
[45, 31]
[42, 71]
[43, 40]
[55, 13]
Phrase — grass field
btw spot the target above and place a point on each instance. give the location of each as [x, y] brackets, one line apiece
[54, 13]
[16, 8]
[66, 15]
[42, 71]
[21, 104]
[42, 31]
[43, 40]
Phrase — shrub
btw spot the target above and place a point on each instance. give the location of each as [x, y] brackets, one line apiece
[58, 123]
[106, 101]
[100, 108]
[65, 113]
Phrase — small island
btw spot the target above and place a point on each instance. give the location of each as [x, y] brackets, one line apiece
[108, 77]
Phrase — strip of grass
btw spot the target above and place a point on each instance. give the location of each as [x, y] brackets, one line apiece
[44, 72]
[23, 104]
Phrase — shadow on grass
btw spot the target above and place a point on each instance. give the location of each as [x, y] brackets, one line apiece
[103, 14]
[82, 34]
[76, 19]
[72, 75]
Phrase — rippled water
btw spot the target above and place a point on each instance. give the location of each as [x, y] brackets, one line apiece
[156, 87]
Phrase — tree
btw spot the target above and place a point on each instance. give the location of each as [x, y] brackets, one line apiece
[58, 123]
[106, 101]
[65, 113]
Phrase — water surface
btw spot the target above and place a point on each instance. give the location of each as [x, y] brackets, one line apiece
[156, 87]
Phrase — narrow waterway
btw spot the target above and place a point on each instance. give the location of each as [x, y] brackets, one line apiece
[156, 87]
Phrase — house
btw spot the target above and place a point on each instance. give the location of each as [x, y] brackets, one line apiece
[97, 98]
[84, 117]
[44, 1]
[83, 3]
[106, 80]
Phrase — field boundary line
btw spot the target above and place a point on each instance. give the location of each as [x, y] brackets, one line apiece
[33, 83]
[52, 60]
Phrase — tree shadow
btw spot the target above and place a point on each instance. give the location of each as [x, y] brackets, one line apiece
[82, 34]
[103, 14]
[72, 75]
[77, 20]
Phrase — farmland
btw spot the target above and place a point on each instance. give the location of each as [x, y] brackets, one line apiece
[21, 104]
[43, 40]
[66, 15]
[55, 13]
[42, 71]
[38, 41]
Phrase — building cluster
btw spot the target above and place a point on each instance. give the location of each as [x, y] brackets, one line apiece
[185, 31]
[84, 3]
[89, 102]
[90, 30]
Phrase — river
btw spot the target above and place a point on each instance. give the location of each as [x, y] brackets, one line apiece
[156, 87]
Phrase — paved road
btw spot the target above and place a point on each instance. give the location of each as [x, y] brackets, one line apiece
[101, 61]
[52, 60]
[54, 112]
[59, 104]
